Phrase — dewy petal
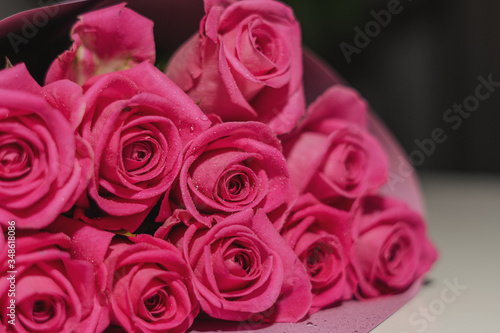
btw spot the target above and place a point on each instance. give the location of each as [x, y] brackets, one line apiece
[88, 243]
[213, 166]
[159, 134]
[67, 97]
[83, 167]
[160, 91]
[18, 78]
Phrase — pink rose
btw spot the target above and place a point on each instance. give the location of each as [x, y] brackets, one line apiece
[104, 41]
[320, 235]
[333, 155]
[138, 122]
[243, 269]
[232, 167]
[149, 286]
[44, 167]
[52, 292]
[390, 249]
[245, 64]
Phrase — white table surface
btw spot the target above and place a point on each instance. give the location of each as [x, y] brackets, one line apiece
[464, 222]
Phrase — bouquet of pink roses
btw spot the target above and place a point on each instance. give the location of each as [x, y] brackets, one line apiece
[137, 199]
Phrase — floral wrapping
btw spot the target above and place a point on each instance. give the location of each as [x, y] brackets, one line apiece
[141, 200]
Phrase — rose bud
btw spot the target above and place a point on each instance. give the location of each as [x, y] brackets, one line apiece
[105, 41]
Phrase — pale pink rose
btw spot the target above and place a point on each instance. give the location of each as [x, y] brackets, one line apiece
[104, 41]
[243, 269]
[137, 122]
[245, 63]
[391, 249]
[44, 166]
[52, 292]
[149, 286]
[332, 155]
[232, 167]
[320, 235]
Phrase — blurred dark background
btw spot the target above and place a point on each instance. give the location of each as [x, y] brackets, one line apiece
[427, 59]
[422, 63]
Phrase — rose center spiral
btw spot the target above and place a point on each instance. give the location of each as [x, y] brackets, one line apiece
[243, 260]
[314, 258]
[234, 186]
[136, 155]
[155, 304]
[43, 311]
[346, 165]
[393, 252]
[14, 161]
[353, 165]
[263, 43]
[324, 261]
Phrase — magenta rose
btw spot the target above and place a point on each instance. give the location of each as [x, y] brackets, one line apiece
[332, 155]
[52, 292]
[243, 269]
[390, 250]
[232, 167]
[320, 235]
[105, 41]
[149, 286]
[44, 167]
[245, 64]
[137, 122]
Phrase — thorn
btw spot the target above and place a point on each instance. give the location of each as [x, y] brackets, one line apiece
[125, 233]
[8, 64]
